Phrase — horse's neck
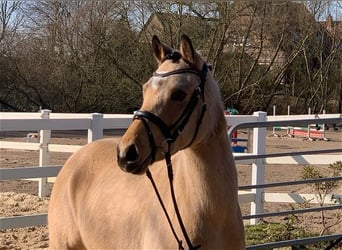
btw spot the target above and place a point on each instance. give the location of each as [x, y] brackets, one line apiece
[206, 173]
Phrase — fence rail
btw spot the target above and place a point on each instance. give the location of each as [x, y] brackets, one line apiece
[290, 183]
[96, 123]
[296, 211]
[296, 242]
[28, 172]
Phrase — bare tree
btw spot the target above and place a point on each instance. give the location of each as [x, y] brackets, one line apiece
[82, 56]
[10, 18]
[78, 57]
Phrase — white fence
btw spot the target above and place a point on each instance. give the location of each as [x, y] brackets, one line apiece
[45, 121]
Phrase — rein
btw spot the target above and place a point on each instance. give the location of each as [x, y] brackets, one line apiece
[171, 133]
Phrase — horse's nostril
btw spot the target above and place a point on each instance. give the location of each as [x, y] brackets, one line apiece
[132, 153]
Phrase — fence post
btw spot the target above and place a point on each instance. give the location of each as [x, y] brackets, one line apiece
[44, 155]
[95, 131]
[258, 167]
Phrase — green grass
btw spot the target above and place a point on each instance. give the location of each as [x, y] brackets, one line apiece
[273, 232]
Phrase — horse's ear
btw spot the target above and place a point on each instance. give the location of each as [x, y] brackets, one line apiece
[160, 50]
[187, 50]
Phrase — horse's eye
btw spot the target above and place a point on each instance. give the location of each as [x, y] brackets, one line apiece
[178, 95]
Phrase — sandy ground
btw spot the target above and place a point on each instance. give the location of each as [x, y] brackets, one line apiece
[20, 197]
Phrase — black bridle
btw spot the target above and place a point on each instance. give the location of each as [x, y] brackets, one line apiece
[171, 133]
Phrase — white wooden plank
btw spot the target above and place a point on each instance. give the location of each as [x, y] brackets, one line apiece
[45, 124]
[52, 179]
[23, 221]
[233, 120]
[305, 159]
[300, 117]
[28, 172]
[246, 196]
[117, 123]
[64, 148]
[19, 145]
[19, 115]
[36, 146]
[118, 116]
[299, 198]
[69, 115]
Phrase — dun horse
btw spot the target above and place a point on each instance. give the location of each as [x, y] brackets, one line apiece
[96, 205]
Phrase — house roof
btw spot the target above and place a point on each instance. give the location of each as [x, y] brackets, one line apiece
[284, 20]
[334, 27]
[170, 26]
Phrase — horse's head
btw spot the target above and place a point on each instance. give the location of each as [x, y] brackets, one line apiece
[172, 111]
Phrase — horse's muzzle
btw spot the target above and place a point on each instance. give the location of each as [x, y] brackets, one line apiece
[128, 160]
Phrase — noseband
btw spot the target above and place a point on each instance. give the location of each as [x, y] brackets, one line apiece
[171, 133]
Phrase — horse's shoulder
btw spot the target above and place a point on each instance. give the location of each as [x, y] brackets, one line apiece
[96, 155]
[97, 149]
[106, 143]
